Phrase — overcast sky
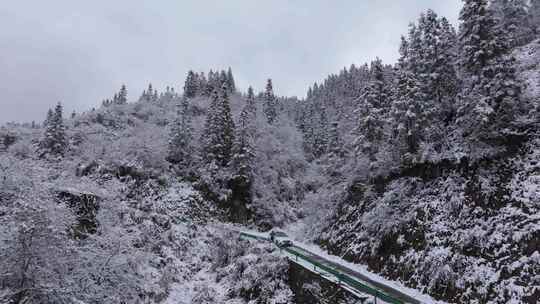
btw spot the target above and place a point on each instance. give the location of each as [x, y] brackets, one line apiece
[80, 52]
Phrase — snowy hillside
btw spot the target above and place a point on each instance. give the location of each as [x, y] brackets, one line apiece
[424, 172]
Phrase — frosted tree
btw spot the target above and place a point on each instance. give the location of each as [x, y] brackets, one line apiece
[46, 143]
[270, 103]
[122, 95]
[147, 95]
[371, 113]
[426, 84]
[218, 133]
[60, 140]
[446, 83]
[230, 81]
[202, 85]
[149, 92]
[490, 95]
[320, 131]
[223, 79]
[180, 149]
[251, 103]
[243, 149]
[54, 142]
[407, 111]
[334, 149]
[190, 85]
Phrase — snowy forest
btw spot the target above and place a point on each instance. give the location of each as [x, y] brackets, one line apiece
[426, 171]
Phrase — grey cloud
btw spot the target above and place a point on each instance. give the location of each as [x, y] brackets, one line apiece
[80, 52]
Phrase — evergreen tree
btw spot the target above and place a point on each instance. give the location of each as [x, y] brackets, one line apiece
[334, 142]
[230, 81]
[223, 79]
[49, 119]
[270, 104]
[180, 149]
[190, 85]
[243, 149]
[202, 85]
[149, 92]
[446, 83]
[60, 140]
[319, 131]
[54, 142]
[251, 104]
[225, 116]
[407, 110]
[490, 95]
[218, 134]
[122, 96]
[426, 84]
[371, 113]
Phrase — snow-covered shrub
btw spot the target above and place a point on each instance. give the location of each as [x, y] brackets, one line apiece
[256, 271]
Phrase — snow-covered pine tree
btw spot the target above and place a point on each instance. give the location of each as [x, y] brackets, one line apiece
[371, 113]
[446, 84]
[223, 79]
[243, 148]
[180, 149]
[227, 125]
[122, 95]
[334, 149]
[426, 73]
[406, 111]
[202, 85]
[218, 133]
[230, 81]
[210, 135]
[490, 95]
[149, 92]
[320, 130]
[190, 85]
[53, 142]
[47, 141]
[60, 140]
[213, 82]
[270, 104]
[251, 103]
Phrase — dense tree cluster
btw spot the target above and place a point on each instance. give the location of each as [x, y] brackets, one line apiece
[445, 82]
[119, 98]
[197, 84]
[180, 149]
[270, 105]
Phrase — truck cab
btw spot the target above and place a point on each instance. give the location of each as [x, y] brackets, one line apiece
[280, 238]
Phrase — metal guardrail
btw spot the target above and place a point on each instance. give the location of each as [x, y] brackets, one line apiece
[356, 285]
[347, 279]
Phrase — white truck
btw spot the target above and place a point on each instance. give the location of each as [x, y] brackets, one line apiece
[280, 238]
